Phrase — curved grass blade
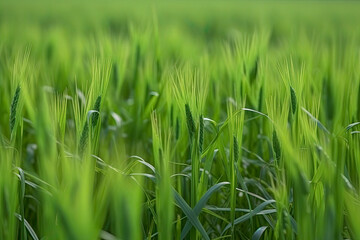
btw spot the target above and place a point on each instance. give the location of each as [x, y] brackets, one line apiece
[318, 123]
[142, 161]
[28, 227]
[352, 125]
[258, 233]
[247, 216]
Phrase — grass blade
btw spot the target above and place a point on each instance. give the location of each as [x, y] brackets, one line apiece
[258, 233]
[247, 216]
[201, 204]
[190, 214]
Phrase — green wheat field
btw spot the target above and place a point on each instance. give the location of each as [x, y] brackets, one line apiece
[179, 120]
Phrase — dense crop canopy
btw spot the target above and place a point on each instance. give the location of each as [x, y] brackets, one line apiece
[216, 120]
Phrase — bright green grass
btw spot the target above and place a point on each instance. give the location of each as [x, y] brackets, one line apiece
[207, 120]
